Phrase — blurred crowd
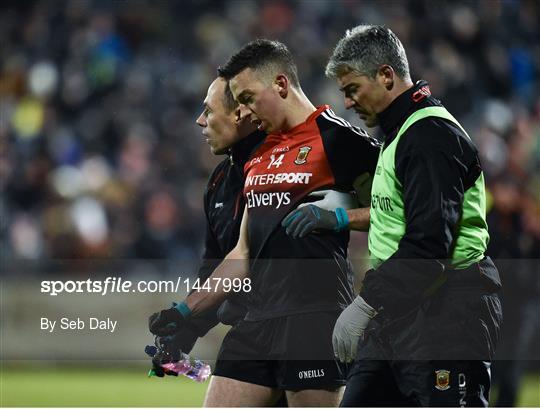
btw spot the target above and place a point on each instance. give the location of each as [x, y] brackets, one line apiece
[100, 156]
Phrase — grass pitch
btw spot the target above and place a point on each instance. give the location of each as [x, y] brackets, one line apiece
[96, 387]
[127, 387]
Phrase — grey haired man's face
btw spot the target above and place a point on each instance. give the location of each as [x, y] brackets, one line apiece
[365, 95]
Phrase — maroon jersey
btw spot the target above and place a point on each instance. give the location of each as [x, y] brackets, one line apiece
[293, 276]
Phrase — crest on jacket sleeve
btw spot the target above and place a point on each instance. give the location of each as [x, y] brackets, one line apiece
[442, 379]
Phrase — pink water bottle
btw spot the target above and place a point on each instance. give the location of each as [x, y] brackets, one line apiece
[181, 364]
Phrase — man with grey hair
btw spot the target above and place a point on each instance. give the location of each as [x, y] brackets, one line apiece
[424, 327]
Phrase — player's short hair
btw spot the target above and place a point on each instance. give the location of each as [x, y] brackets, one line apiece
[364, 49]
[268, 57]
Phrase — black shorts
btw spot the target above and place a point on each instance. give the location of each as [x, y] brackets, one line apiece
[291, 353]
[378, 383]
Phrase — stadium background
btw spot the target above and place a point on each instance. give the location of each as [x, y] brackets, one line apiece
[101, 159]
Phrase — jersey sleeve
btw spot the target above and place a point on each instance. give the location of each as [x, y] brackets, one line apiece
[351, 152]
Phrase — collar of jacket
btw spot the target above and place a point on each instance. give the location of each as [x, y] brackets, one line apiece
[241, 151]
[391, 119]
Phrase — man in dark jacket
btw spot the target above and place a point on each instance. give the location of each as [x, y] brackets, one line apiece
[224, 205]
[424, 327]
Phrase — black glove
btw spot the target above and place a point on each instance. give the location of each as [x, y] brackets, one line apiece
[161, 355]
[183, 340]
[304, 220]
[157, 370]
[167, 322]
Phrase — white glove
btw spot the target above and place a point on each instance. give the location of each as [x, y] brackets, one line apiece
[332, 199]
[350, 327]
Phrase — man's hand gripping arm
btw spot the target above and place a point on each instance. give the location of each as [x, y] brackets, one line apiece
[336, 211]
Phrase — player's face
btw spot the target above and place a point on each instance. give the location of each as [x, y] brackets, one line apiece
[260, 102]
[219, 126]
[366, 96]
